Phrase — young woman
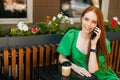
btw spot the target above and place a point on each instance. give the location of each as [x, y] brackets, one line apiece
[89, 55]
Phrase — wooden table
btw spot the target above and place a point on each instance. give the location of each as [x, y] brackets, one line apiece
[53, 72]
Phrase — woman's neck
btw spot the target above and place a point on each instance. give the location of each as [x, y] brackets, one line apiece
[85, 35]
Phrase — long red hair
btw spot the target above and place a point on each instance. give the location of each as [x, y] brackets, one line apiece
[101, 45]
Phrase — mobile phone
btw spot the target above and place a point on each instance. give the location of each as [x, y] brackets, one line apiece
[93, 34]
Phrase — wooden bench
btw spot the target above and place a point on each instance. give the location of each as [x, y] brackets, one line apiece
[19, 63]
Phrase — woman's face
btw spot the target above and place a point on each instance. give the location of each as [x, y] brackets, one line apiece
[89, 21]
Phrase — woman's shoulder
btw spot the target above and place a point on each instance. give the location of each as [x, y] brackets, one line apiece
[70, 34]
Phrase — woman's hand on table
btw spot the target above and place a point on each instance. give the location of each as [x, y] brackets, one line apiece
[80, 70]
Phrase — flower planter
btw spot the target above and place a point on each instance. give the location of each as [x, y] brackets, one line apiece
[113, 35]
[22, 41]
[3, 42]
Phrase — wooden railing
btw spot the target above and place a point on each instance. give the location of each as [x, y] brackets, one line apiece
[20, 62]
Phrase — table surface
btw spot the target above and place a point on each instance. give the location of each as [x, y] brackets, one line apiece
[53, 72]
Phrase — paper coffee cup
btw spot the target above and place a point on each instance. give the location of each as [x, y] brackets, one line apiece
[66, 68]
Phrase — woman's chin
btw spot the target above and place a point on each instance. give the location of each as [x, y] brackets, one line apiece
[87, 31]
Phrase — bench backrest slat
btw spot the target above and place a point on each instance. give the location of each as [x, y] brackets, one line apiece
[27, 63]
[34, 59]
[41, 55]
[20, 65]
[47, 54]
[13, 62]
[6, 61]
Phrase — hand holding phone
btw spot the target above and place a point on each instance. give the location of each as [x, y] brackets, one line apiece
[93, 34]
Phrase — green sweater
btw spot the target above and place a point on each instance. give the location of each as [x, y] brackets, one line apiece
[67, 47]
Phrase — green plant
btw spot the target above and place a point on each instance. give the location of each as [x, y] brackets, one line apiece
[21, 30]
[59, 24]
[114, 26]
[43, 28]
[4, 32]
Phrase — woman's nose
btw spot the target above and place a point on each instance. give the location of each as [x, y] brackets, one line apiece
[88, 24]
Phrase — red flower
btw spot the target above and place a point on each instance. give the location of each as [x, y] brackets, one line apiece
[114, 22]
[34, 30]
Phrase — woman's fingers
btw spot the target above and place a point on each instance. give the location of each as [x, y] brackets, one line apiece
[97, 31]
[81, 74]
[81, 71]
[85, 72]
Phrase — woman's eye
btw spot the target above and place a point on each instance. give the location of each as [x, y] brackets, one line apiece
[86, 19]
[94, 22]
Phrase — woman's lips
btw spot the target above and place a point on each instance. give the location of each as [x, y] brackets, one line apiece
[87, 28]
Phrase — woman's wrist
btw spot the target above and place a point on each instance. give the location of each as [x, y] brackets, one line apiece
[93, 50]
[72, 65]
[93, 46]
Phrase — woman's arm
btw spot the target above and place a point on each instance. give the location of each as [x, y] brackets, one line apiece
[92, 62]
[80, 70]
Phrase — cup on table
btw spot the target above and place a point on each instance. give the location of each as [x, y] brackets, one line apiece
[66, 68]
